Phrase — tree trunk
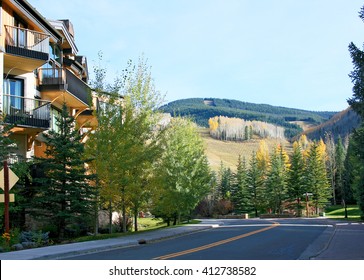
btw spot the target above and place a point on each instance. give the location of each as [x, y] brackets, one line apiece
[135, 220]
[123, 208]
[96, 231]
[124, 217]
[110, 216]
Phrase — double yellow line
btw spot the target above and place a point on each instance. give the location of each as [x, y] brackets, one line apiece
[218, 243]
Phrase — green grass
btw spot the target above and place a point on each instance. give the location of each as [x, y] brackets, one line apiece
[338, 212]
[144, 224]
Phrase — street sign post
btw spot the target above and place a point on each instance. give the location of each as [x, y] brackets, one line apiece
[9, 179]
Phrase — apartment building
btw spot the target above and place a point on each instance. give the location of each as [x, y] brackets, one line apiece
[40, 70]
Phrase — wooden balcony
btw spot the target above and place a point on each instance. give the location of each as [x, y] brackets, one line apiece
[27, 112]
[25, 50]
[57, 82]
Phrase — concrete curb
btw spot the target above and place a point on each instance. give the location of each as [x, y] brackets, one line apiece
[320, 245]
[88, 247]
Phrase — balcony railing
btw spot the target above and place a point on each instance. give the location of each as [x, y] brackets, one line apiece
[63, 79]
[25, 42]
[28, 112]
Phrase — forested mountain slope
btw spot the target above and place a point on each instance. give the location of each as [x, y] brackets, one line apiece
[200, 110]
[341, 124]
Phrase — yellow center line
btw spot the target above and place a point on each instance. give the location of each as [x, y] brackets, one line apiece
[218, 243]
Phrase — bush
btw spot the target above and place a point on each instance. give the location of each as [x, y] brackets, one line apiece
[39, 238]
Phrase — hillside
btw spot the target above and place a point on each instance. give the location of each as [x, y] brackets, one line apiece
[227, 152]
[341, 124]
[200, 110]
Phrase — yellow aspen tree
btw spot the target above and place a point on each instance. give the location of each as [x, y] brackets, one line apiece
[263, 155]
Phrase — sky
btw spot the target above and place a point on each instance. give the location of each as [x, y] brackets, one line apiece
[290, 53]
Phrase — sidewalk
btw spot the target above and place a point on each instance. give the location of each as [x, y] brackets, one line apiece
[73, 249]
[346, 243]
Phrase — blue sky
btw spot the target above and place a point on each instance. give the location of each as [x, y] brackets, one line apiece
[291, 53]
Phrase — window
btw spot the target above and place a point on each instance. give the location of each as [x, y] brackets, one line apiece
[20, 34]
[15, 89]
[55, 52]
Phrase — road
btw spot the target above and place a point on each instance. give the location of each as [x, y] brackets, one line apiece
[286, 239]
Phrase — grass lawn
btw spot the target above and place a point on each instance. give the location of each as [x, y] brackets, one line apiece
[144, 224]
[338, 212]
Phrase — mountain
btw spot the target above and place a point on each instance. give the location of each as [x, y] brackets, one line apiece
[341, 124]
[201, 109]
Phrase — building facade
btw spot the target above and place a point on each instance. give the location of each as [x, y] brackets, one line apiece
[40, 70]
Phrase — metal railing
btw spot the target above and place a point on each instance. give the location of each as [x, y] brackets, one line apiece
[65, 78]
[27, 39]
[27, 111]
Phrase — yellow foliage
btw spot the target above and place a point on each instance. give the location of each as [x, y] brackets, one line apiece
[263, 155]
[322, 149]
[213, 123]
[280, 151]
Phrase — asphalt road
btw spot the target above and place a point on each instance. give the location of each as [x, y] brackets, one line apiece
[235, 240]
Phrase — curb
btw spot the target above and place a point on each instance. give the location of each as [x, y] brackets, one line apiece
[89, 247]
[319, 245]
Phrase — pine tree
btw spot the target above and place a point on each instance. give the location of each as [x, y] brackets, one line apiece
[317, 181]
[240, 195]
[226, 183]
[296, 177]
[355, 167]
[255, 184]
[276, 186]
[357, 103]
[6, 144]
[64, 196]
[357, 76]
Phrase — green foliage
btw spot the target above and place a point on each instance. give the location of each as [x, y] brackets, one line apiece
[240, 194]
[182, 173]
[356, 148]
[196, 109]
[276, 183]
[316, 177]
[340, 125]
[63, 194]
[355, 167]
[297, 176]
[125, 144]
[6, 144]
[256, 184]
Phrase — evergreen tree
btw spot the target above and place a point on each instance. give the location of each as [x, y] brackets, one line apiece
[355, 167]
[226, 183]
[240, 193]
[255, 184]
[317, 182]
[276, 186]
[357, 76]
[296, 177]
[6, 144]
[357, 103]
[64, 196]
